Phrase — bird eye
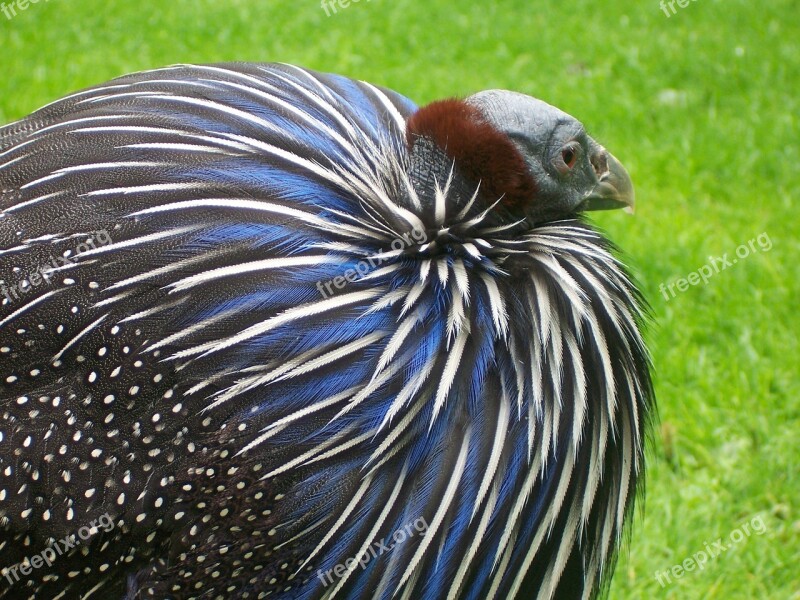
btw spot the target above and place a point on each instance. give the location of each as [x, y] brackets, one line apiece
[567, 157]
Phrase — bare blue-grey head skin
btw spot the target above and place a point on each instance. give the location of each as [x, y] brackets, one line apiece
[280, 343]
[574, 172]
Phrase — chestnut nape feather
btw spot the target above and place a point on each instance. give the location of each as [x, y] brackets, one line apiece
[481, 152]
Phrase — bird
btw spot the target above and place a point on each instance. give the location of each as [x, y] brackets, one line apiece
[267, 332]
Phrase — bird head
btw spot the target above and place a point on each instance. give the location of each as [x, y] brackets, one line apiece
[537, 160]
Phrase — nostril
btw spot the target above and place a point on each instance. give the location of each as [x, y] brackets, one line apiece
[599, 160]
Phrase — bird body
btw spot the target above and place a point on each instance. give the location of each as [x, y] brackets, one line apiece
[267, 332]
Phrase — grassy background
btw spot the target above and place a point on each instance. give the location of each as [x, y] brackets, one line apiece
[702, 107]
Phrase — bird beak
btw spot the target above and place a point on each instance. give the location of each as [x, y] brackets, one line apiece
[614, 187]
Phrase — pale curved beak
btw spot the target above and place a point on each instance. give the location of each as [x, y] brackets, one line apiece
[614, 187]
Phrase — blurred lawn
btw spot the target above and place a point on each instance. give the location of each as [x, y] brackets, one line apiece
[702, 107]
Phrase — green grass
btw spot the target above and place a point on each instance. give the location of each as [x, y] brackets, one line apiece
[703, 109]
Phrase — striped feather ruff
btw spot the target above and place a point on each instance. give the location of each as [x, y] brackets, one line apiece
[266, 347]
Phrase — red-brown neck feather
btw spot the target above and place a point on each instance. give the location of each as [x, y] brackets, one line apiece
[481, 152]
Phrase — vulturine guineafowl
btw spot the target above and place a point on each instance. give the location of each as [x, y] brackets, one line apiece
[272, 333]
